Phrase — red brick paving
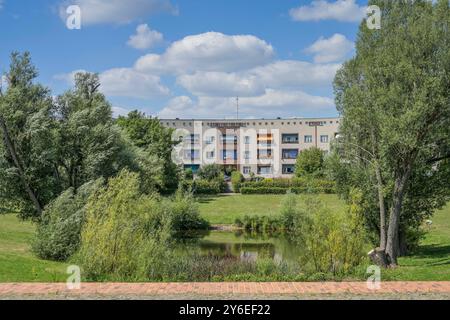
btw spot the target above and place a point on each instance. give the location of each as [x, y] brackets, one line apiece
[249, 288]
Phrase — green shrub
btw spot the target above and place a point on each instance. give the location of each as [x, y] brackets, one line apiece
[210, 172]
[282, 186]
[126, 234]
[205, 187]
[59, 230]
[332, 242]
[184, 213]
[236, 179]
[310, 163]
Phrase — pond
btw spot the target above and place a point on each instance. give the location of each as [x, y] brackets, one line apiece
[240, 244]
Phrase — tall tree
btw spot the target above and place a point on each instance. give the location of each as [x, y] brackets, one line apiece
[89, 144]
[401, 75]
[28, 180]
[157, 143]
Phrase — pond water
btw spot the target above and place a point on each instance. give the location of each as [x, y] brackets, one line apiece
[243, 245]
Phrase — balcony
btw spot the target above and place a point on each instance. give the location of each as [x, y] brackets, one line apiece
[289, 154]
[290, 138]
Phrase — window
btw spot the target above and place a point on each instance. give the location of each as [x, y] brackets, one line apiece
[324, 139]
[210, 155]
[229, 155]
[210, 140]
[290, 153]
[290, 138]
[288, 169]
[247, 140]
[247, 155]
[308, 139]
[192, 154]
[247, 170]
[264, 169]
[265, 154]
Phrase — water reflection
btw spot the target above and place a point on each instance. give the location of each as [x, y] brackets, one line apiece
[242, 245]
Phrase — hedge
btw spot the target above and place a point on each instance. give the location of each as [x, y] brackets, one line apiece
[282, 186]
[205, 187]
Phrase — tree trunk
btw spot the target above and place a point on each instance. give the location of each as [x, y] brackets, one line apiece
[393, 244]
[383, 236]
[15, 157]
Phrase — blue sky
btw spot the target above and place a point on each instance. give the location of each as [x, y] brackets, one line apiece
[191, 58]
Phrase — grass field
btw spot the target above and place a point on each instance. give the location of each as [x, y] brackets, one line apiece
[226, 209]
[17, 263]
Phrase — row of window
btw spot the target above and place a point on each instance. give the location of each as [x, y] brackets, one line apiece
[286, 169]
[286, 139]
[211, 124]
[232, 154]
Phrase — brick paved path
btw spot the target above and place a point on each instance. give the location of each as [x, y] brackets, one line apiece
[266, 289]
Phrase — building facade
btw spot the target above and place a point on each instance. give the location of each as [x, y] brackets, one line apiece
[264, 147]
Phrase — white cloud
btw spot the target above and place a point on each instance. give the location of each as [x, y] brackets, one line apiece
[295, 74]
[271, 104]
[119, 111]
[126, 82]
[254, 82]
[116, 11]
[69, 78]
[145, 37]
[340, 10]
[211, 51]
[335, 48]
[221, 84]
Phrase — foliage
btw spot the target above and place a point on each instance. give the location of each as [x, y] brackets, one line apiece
[236, 179]
[58, 234]
[210, 172]
[309, 163]
[155, 140]
[205, 187]
[188, 174]
[50, 145]
[282, 186]
[89, 145]
[289, 210]
[183, 212]
[394, 99]
[126, 233]
[332, 242]
[28, 181]
[261, 224]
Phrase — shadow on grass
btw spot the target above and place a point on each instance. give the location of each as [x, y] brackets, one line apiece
[208, 199]
[439, 254]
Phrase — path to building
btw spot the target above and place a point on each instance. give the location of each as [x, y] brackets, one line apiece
[267, 290]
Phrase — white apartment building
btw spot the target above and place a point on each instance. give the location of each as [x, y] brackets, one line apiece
[265, 147]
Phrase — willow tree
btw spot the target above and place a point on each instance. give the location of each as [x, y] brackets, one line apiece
[394, 96]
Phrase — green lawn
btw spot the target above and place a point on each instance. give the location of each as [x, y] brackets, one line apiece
[225, 209]
[432, 260]
[17, 263]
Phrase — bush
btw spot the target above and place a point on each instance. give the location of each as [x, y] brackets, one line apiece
[205, 187]
[263, 190]
[210, 172]
[184, 213]
[126, 234]
[332, 242]
[59, 232]
[236, 179]
[282, 186]
[310, 163]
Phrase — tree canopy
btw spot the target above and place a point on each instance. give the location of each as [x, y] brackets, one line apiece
[394, 96]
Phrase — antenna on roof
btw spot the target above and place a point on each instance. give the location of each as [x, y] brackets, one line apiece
[237, 108]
